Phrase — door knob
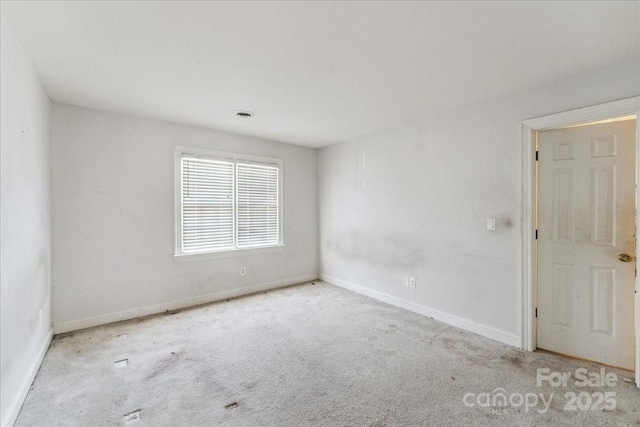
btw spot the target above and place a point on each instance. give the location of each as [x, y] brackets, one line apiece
[625, 257]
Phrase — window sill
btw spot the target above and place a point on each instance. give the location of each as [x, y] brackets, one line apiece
[227, 253]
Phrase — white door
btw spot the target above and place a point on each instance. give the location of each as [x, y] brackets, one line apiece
[586, 242]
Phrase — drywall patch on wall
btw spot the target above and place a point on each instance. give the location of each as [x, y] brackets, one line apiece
[25, 224]
[368, 246]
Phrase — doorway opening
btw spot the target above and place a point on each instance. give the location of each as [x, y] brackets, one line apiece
[552, 277]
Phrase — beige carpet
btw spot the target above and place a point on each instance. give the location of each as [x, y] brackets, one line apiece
[307, 355]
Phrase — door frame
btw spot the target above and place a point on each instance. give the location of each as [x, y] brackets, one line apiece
[625, 107]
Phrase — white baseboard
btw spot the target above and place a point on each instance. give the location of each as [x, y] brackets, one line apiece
[469, 325]
[74, 325]
[9, 417]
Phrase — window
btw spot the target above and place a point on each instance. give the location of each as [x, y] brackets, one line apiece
[226, 203]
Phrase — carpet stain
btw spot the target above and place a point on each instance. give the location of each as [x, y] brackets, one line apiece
[163, 366]
[465, 349]
[515, 360]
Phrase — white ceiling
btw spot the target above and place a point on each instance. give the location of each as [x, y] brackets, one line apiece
[314, 73]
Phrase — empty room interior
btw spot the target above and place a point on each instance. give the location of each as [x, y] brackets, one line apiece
[319, 213]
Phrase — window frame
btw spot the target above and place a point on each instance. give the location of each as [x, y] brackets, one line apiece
[179, 152]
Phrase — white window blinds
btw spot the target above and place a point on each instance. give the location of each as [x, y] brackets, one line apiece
[207, 204]
[227, 202]
[257, 204]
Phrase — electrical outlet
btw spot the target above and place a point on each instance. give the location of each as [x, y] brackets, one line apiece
[243, 271]
[412, 282]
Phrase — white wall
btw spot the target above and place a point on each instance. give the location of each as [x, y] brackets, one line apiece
[414, 200]
[25, 224]
[113, 219]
